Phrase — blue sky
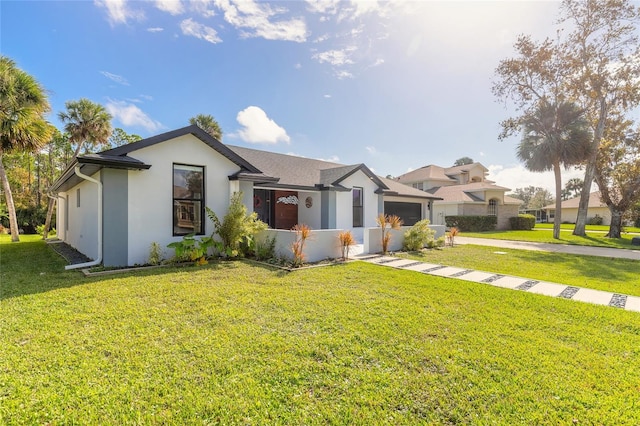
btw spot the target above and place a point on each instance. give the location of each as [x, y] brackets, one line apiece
[395, 85]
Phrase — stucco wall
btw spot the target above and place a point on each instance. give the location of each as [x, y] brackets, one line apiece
[82, 232]
[309, 215]
[150, 191]
[322, 244]
[571, 215]
[344, 202]
[440, 211]
[504, 213]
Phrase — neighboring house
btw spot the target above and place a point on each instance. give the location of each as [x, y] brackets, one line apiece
[113, 205]
[464, 191]
[570, 209]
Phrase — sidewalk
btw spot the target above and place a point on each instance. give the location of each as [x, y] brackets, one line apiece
[556, 248]
[629, 303]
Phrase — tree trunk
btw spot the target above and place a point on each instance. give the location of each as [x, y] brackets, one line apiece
[47, 223]
[8, 196]
[590, 172]
[583, 206]
[557, 220]
[615, 228]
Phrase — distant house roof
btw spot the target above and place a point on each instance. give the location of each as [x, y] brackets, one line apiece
[465, 193]
[572, 203]
[464, 168]
[430, 172]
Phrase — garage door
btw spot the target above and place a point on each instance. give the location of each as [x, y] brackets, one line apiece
[410, 213]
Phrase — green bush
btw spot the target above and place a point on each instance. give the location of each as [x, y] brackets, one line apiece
[472, 223]
[266, 249]
[418, 236]
[523, 222]
[596, 220]
[237, 229]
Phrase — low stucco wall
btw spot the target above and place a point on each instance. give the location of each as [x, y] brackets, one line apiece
[322, 244]
[325, 244]
[373, 238]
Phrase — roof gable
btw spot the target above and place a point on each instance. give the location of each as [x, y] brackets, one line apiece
[193, 130]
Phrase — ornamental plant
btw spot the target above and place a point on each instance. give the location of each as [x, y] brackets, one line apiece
[237, 229]
[346, 241]
[386, 223]
[418, 236]
[303, 232]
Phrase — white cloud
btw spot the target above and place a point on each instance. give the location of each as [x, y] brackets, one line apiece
[371, 150]
[322, 38]
[130, 115]
[174, 7]
[192, 28]
[517, 176]
[155, 29]
[327, 96]
[255, 20]
[118, 11]
[323, 6]
[147, 97]
[203, 8]
[114, 77]
[342, 74]
[298, 66]
[258, 128]
[337, 57]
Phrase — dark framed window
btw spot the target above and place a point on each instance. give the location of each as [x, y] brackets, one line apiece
[493, 207]
[78, 197]
[188, 199]
[357, 207]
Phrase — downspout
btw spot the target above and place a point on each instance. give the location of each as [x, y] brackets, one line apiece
[99, 259]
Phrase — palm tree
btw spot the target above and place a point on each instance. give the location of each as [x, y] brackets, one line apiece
[23, 103]
[86, 122]
[555, 135]
[207, 123]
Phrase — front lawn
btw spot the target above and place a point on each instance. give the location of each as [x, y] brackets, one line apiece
[614, 275]
[233, 343]
[546, 236]
[599, 228]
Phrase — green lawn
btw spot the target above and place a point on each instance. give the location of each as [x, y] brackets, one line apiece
[233, 343]
[546, 236]
[571, 226]
[614, 275]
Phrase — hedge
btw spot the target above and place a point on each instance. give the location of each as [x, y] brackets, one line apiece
[523, 221]
[472, 223]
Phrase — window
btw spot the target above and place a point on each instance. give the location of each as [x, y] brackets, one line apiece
[78, 197]
[493, 207]
[188, 199]
[357, 207]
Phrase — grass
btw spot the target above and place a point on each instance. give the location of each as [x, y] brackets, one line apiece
[232, 343]
[614, 275]
[595, 239]
[571, 226]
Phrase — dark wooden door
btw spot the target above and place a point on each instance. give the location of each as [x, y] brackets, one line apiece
[285, 209]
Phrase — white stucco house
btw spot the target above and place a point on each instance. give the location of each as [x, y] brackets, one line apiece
[114, 204]
[463, 191]
[570, 209]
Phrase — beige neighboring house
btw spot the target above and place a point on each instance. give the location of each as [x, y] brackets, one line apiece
[465, 191]
[570, 209]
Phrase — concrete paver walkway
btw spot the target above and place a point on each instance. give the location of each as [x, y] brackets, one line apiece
[630, 303]
[556, 248]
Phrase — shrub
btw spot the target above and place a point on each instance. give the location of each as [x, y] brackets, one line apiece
[191, 249]
[522, 222]
[393, 222]
[346, 241]
[472, 223]
[266, 249]
[237, 229]
[418, 236]
[155, 254]
[440, 242]
[596, 220]
[303, 232]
